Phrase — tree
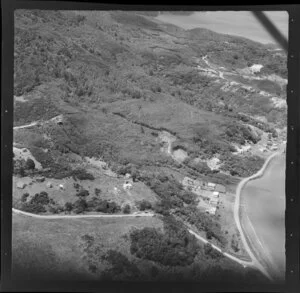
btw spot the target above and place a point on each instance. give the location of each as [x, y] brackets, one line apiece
[79, 206]
[145, 205]
[126, 209]
[29, 165]
[24, 197]
[68, 206]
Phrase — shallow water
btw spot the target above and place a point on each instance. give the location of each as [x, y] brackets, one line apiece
[264, 200]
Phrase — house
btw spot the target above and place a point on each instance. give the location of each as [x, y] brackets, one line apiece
[211, 210]
[220, 188]
[215, 194]
[21, 185]
[209, 186]
[127, 185]
[61, 187]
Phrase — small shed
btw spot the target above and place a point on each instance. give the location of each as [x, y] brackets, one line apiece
[61, 187]
[21, 185]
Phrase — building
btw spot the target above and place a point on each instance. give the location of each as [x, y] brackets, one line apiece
[211, 210]
[61, 187]
[21, 185]
[215, 194]
[127, 185]
[220, 188]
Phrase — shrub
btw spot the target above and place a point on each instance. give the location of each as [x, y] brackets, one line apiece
[29, 165]
[82, 174]
[41, 198]
[82, 193]
[68, 206]
[97, 191]
[175, 247]
[79, 206]
[33, 208]
[24, 196]
[126, 209]
[213, 253]
[145, 205]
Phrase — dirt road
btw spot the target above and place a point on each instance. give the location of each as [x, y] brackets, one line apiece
[49, 217]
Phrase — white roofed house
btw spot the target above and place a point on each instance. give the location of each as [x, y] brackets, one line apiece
[215, 194]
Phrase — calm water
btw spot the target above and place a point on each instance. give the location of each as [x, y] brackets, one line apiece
[240, 23]
[264, 201]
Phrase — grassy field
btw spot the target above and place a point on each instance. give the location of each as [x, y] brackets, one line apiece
[52, 249]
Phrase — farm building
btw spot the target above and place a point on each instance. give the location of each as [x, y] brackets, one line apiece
[220, 188]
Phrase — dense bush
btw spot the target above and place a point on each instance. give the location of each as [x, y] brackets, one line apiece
[202, 222]
[104, 206]
[79, 206]
[40, 198]
[121, 267]
[82, 174]
[145, 205]
[82, 193]
[24, 197]
[241, 166]
[211, 252]
[126, 209]
[175, 247]
[29, 165]
[33, 208]
[68, 206]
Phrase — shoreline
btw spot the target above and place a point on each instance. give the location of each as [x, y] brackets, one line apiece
[238, 215]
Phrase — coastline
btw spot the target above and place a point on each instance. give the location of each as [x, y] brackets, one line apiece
[238, 215]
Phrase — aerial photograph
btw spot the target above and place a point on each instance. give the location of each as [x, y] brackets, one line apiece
[149, 146]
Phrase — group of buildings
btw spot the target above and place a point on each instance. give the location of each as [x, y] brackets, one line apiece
[207, 190]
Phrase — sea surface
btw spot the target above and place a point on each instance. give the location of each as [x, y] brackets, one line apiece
[264, 203]
[240, 23]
